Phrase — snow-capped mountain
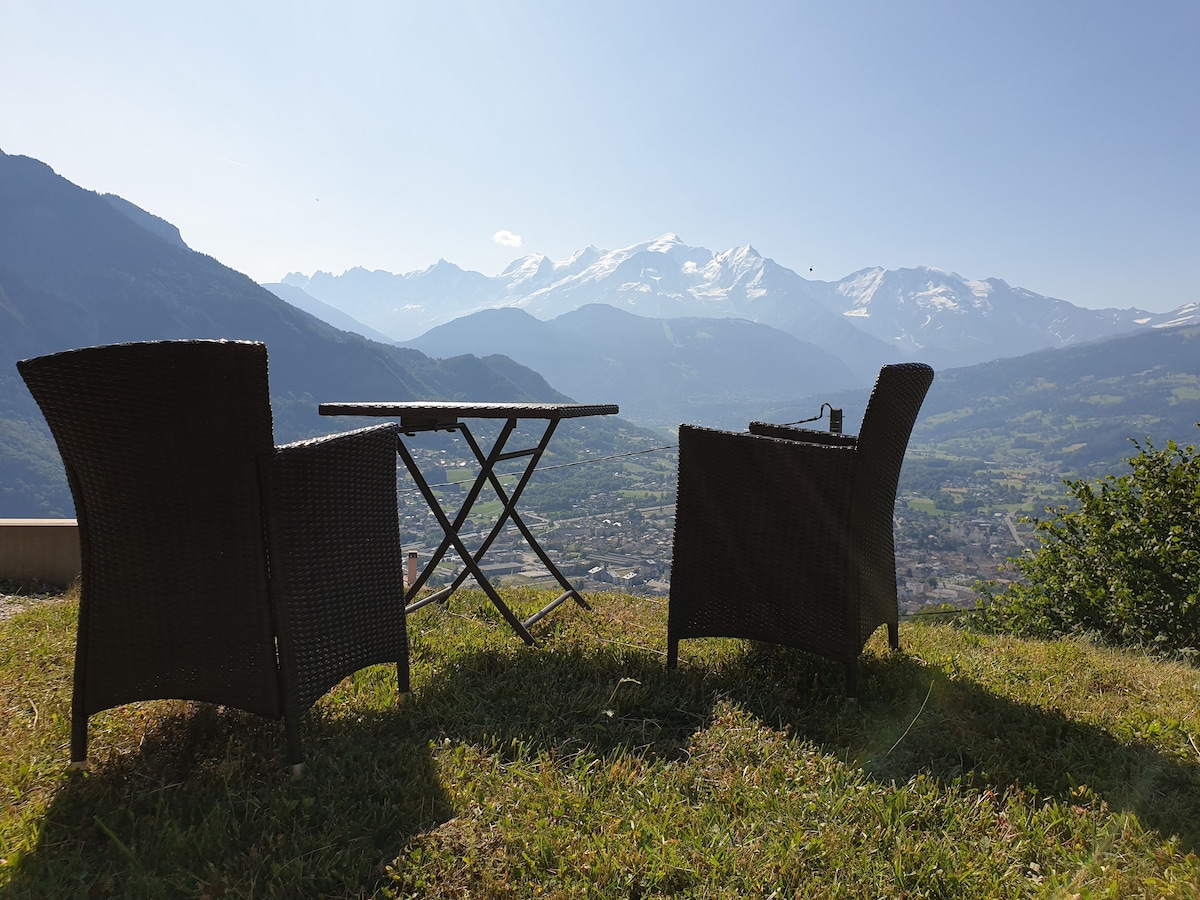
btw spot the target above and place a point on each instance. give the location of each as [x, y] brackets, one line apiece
[1187, 314]
[930, 311]
[866, 319]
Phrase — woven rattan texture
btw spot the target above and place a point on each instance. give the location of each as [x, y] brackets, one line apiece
[336, 571]
[792, 433]
[882, 441]
[161, 443]
[787, 539]
[164, 445]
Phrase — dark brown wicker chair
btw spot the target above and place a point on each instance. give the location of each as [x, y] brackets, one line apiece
[216, 566]
[784, 534]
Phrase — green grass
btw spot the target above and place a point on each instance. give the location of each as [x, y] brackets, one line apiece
[925, 505]
[972, 766]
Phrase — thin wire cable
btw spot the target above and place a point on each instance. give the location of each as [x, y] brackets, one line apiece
[579, 462]
[820, 415]
[957, 611]
[583, 462]
[596, 459]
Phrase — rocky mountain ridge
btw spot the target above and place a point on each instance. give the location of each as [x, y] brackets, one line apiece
[866, 319]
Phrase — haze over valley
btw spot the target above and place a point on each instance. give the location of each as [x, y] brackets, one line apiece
[689, 334]
[649, 328]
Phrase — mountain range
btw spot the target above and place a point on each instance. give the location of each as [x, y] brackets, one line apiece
[866, 319]
[1073, 410]
[78, 268]
[688, 335]
[666, 371]
[1078, 406]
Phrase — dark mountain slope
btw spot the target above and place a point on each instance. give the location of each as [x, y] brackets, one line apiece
[1075, 407]
[78, 269]
[326, 313]
[664, 371]
[1078, 404]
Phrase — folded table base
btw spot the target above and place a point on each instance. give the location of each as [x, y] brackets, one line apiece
[434, 416]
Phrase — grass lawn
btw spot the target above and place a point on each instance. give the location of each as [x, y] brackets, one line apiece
[972, 766]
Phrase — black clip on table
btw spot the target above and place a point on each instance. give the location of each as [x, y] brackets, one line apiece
[418, 417]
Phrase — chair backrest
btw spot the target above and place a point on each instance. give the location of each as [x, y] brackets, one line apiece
[162, 443]
[882, 441]
[888, 421]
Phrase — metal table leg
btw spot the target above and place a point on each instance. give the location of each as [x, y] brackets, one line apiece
[452, 539]
[472, 561]
[509, 512]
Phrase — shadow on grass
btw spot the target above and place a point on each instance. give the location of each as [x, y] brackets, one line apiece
[209, 786]
[912, 718]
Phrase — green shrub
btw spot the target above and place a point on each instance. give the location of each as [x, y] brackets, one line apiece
[1122, 561]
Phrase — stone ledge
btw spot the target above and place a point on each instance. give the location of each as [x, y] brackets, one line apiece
[45, 549]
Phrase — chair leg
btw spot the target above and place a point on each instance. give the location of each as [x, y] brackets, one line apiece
[79, 722]
[672, 652]
[403, 681]
[852, 679]
[291, 729]
[894, 636]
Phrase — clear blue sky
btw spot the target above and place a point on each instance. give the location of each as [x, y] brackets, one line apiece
[1052, 144]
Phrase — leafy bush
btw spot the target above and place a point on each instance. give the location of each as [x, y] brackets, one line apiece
[1123, 561]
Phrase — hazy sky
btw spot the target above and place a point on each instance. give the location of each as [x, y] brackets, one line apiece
[1054, 144]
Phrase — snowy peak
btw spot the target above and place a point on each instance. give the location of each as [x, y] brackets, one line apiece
[525, 265]
[874, 315]
[942, 315]
[442, 269]
[665, 243]
[580, 261]
[1188, 314]
[533, 269]
[872, 291]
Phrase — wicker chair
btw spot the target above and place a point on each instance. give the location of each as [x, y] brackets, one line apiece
[784, 534]
[216, 566]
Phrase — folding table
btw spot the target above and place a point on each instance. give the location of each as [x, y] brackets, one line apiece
[418, 417]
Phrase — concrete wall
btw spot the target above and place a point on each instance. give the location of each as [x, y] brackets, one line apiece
[45, 549]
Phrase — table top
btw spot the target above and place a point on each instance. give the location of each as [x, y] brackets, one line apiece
[443, 410]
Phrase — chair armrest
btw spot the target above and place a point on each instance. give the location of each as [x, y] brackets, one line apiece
[807, 435]
[333, 540]
[343, 438]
